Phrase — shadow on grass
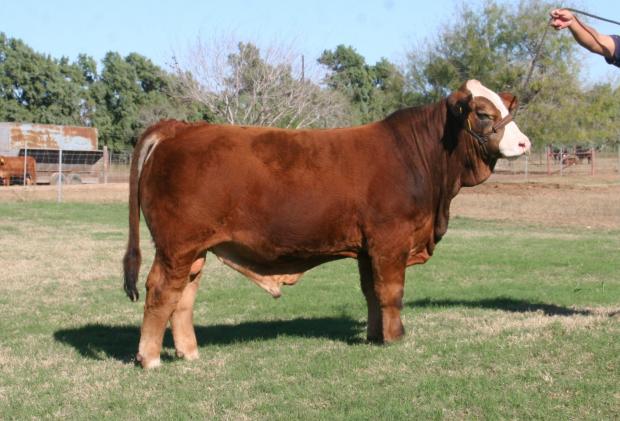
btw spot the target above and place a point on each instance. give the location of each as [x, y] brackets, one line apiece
[120, 342]
[501, 303]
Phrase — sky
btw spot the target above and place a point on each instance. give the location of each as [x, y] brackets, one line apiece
[161, 29]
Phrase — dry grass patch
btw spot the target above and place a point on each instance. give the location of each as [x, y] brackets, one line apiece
[44, 254]
[483, 325]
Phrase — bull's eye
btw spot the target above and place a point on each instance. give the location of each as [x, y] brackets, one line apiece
[484, 116]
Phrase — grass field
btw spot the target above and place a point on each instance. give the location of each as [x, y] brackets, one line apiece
[504, 322]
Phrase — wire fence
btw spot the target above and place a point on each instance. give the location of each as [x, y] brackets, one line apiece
[58, 167]
[573, 161]
[32, 167]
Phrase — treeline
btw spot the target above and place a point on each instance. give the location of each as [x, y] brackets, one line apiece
[120, 99]
[238, 83]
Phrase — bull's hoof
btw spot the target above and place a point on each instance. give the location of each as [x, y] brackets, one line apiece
[188, 356]
[394, 336]
[392, 340]
[386, 338]
[148, 363]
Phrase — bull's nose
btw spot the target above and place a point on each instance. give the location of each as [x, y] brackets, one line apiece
[525, 144]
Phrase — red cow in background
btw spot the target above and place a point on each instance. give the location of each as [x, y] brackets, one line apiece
[13, 166]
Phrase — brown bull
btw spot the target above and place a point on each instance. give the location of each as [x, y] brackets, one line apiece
[274, 203]
[13, 166]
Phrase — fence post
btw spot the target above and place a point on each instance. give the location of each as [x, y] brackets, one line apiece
[25, 161]
[527, 160]
[106, 164]
[548, 150]
[59, 191]
[561, 161]
[592, 161]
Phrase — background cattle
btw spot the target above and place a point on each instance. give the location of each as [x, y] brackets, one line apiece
[274, 203]
[583, 152]
[13, 167]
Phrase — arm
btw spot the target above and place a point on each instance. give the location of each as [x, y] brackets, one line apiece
[585, 35]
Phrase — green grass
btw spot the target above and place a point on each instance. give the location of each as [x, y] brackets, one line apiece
[504, 322]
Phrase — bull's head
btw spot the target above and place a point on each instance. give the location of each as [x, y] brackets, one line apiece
[487, 117]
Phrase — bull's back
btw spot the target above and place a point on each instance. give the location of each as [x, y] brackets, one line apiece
[270, 160]
[292, 187]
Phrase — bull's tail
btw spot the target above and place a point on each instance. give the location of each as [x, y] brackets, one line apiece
[133, 258]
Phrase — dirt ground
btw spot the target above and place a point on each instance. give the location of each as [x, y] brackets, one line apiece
[549, 204]
[587, 202]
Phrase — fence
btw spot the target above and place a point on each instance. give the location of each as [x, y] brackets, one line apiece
[563, 161]
[64, 167]
[58, 167]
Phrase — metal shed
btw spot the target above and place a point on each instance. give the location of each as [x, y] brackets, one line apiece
[67, 153]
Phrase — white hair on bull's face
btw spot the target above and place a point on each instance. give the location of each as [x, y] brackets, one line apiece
[513, 143]
[478, 89]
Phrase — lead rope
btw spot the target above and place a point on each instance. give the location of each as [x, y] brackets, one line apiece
[581, 12]
[536, 54]
[542, 40]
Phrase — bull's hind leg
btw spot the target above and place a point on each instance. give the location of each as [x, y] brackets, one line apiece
[163, 293]
[182, 321]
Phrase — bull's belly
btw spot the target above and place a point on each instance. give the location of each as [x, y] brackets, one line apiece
[270, 272]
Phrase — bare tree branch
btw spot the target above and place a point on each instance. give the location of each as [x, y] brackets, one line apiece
[241, 85]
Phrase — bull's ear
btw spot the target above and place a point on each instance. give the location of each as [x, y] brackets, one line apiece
[458, 102]
[510, 101]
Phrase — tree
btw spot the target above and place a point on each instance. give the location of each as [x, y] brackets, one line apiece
[239, 84]
[35, 87]
[374, 91]
[389, 93]
[128, 95]
[500, 44]
[133, 93]
[496, 45]
[600, 117]
[87, 68]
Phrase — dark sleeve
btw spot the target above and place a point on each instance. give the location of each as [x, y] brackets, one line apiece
[615, 58]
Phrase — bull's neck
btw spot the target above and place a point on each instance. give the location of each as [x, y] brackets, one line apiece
[432, 145]
[468, 162]
[430, 139]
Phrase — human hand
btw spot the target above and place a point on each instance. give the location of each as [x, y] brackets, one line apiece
[561, 18]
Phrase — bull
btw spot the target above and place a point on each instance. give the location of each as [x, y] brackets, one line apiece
[274, 203]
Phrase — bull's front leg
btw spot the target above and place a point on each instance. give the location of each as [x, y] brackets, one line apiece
[374, 331]
[384, 295]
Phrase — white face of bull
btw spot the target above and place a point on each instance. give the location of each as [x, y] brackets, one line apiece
[513, 143]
